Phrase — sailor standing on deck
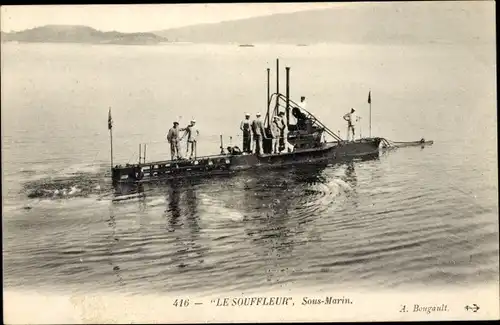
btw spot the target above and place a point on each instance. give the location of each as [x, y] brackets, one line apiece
[276, 134]
[258, 134]
[350, 118]
[173, 139]
[284, 131]
[245, 127]
[192, 133]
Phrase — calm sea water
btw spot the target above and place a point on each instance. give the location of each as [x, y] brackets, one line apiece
[413, 217]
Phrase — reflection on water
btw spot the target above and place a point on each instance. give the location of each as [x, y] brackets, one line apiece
[173, 211]
[278, 208]
[183, 224]
[113, 241]
[350, 175]
[411, 217]
[350, 178]
[313, 224]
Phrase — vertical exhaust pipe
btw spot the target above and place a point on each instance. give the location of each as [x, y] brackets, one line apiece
[277, 76]
[288, 96]
[268, 99]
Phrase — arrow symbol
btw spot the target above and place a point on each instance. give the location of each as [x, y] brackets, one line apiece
[474, 308]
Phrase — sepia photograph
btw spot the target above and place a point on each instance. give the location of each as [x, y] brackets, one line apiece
[249, 162]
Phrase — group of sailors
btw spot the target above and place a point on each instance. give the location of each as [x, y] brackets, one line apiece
[253, 133]
[252, 129]
[255, 130]
[174, 138]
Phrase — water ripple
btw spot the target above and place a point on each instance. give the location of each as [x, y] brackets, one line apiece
[409, 217]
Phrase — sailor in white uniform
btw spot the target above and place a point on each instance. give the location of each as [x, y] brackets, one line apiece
[350, 118]
[191, 131]
[284, 131]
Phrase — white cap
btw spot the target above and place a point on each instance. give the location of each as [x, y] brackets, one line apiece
[258, 114]
[193, 121]
[247, 114]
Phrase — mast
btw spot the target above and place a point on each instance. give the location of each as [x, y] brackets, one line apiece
[110, 128]
[277, 76]
[288, 96]
[268, 95]
[370, 102]
[111, 143]
[221, 145]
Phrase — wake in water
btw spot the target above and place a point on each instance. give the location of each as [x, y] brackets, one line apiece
[77, 184]
[219, 209]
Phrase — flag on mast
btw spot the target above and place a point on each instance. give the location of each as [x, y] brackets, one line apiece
[369, 97]
[110, 120]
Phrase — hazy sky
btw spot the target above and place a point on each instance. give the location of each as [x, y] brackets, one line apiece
[141, 18]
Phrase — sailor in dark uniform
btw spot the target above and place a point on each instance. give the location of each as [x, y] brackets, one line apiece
[245, 127]
[173, 139]
[301, 118]
[258, 134]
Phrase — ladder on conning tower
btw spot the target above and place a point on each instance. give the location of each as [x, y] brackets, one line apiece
[279, 98]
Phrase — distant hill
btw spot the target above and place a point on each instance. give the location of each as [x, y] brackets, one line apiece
[80, 34]
[367, 23]
[380, 23]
